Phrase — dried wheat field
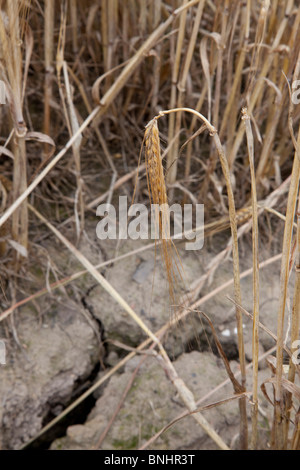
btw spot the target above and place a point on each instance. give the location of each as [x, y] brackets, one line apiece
[149, 225]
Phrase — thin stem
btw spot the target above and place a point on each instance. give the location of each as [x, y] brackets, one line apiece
[255, 343]
[235, 253]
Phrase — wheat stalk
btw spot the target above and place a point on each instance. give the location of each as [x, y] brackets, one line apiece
[156, 187]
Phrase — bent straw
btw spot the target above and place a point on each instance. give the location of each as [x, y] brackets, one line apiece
[235, 254]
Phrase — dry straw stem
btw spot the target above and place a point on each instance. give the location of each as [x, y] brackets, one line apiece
[284, 276]
[49, 56]
[172, 157]
[72, 122]
[238, 69]
[269, 332]
[129, 385]
[175, 71]
[295, 326]
[287, 384]
[12, 74]
[155, 16]
[279, 436]
[236, 270]
[103, 105]
[76, 153]
[104, 33]
[74, 23]
[189, 149]
[255, 258]
[220, 42]
[295, 321]
[89, 109]
[201, 408]
[290, 389]
[185, 394]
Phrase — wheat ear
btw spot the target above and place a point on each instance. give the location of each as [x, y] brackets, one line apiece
[158, 197]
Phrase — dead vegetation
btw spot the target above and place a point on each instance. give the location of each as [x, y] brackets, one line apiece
[83, 80]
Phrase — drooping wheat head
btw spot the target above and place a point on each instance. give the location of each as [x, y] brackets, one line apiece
[160, 207]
